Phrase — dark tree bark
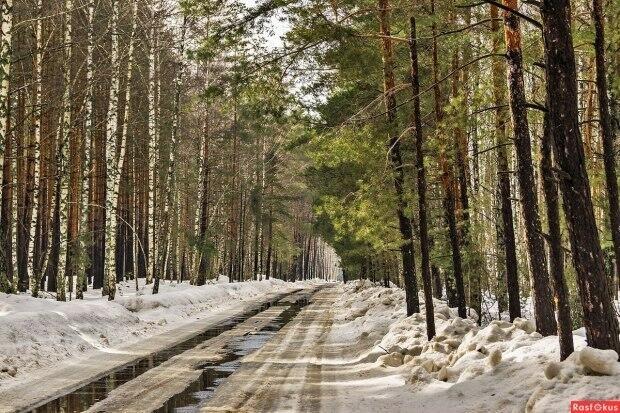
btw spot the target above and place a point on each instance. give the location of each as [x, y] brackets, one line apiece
[507, 233]
[421, 175]
[437, 284]
[598, 312]
[556, 255]
[454, 282]
[76, 153]
[269, 247]
[6, 206]
[396, 161]
[53, 271]
[609, 158]
[97, 188]
[543, 305]
[203, 266]
[25, 168]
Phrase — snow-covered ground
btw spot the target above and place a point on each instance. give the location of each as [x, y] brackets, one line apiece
[502, 366]
[352, 350]
[38, 333]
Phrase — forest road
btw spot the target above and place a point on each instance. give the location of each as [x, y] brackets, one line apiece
[290, 372]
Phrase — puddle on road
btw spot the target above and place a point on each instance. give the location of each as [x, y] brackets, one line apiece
[95, 391]
[214, 374]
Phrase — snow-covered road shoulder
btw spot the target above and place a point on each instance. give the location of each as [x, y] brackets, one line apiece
[38, 333]
[502, 366]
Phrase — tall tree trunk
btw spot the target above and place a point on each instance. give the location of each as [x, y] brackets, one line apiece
[78, 105]
[507, 234]
[103, 26]
[421, 175]
[116, 156]
[84, 276]
[454, 282]
[609, 152]
[170, 177]
[599, 316]
[6, 205]
[53, 269]
[205, 252]
[33, 174]
[269, 245]
[396, 161]
[154, 77]
[543, 305]
[23, 219]
[72, 267]
[556, 255]
[53, 263]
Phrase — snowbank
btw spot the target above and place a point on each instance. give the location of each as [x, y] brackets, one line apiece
[502, 366]
[37, 333]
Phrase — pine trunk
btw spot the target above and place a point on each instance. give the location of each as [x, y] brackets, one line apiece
[507, 243]
[421, 178]
[556, 255]
[454, 282]
[599, 316]
[396, 162]
[609, 151]
[543, 305]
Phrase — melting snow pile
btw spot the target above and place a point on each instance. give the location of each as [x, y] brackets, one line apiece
[502, 366]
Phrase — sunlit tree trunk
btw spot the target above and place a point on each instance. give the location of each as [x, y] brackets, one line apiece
[543, 305]
[509, 279]
[454, 284]
[396, 161]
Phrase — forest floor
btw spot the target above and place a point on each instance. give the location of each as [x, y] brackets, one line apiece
[353, 350]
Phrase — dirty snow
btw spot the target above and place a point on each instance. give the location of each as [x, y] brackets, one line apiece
[501, 366]
[387, 363]
[38, 333]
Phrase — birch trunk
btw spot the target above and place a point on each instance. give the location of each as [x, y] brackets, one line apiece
[170, 178]
[116, 156]
[86, 165]
[6, 259]
[33, 185]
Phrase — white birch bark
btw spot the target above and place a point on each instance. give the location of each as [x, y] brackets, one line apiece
[111, 128]
[116, 158]
[156, 9]
[166, 226]
[88, 115]
[65, 127]
[6, 28]
[6, 25]
[36, 105]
